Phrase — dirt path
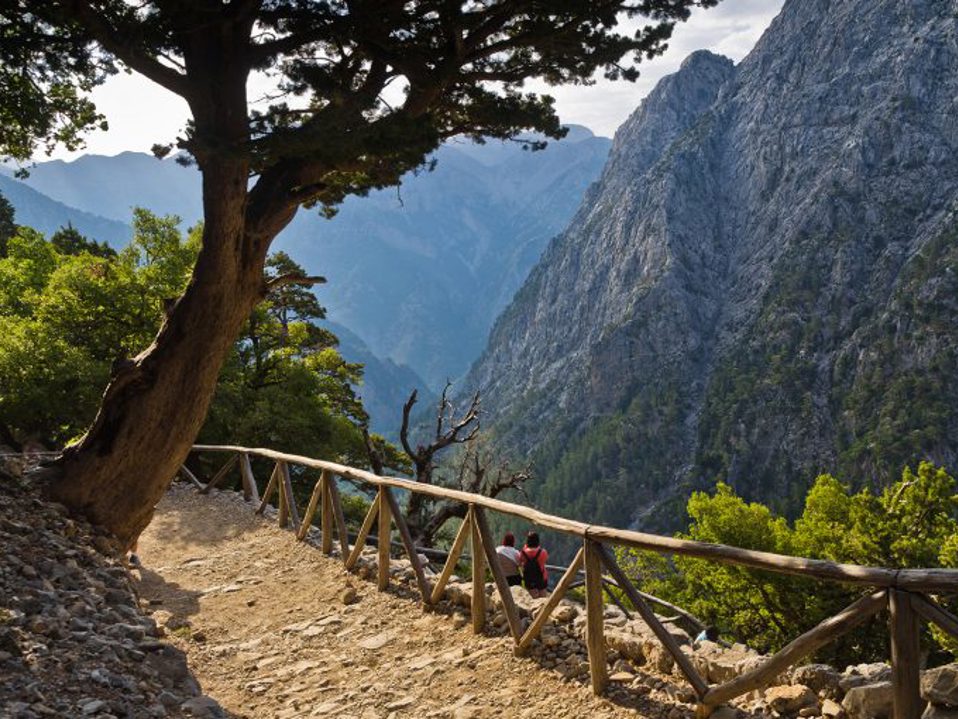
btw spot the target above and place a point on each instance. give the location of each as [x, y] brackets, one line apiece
[263, 621]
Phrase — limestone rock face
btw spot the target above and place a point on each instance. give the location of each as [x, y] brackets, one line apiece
[766, 263]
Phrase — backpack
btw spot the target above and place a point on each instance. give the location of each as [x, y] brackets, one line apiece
[531, 571]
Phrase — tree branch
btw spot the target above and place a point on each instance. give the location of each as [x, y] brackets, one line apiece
[404, 430]
[120, 44]
[291, 278]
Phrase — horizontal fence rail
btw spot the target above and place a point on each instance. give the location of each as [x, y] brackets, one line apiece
[900, 592]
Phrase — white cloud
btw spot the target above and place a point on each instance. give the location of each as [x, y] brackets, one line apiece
[141, 113]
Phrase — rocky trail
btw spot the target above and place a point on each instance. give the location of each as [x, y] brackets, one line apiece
[272, 628]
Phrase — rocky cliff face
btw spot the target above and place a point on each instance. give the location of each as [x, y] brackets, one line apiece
[763, 285]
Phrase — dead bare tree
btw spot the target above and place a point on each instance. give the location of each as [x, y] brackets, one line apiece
[480, 471]
[476, 471]
[450, 430]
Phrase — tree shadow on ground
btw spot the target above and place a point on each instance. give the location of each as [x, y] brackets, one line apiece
[171, 597]
[175, 528]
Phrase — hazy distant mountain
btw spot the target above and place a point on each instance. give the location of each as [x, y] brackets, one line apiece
[40, 212]
[420, 272]
[386, 385]
[762, 286]
[113, 186]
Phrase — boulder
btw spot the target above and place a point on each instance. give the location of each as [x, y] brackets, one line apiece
[719, 664]
[789, 699]
[832, 709]
[939, 712]
[869, 701]
[822, 679]
[940, 685]
[755, 661]
[626, 644]
[657, 656]
[861, 674]
[565, 613]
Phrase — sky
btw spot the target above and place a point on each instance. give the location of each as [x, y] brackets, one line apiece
[141, 113]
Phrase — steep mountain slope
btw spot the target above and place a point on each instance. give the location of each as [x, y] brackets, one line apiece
[386, 385]
[762, 286]
[419, 273]
[422, 273]
[40, 212]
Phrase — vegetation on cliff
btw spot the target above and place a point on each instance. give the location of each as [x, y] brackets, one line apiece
[911, 523]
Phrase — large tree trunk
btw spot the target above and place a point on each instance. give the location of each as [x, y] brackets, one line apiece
[155, 404]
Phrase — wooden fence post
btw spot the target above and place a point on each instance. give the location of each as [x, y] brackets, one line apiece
[543, 614]
[478, 608]
[222, 472]
[465, 531]
[192, 477]
[905, 675]
[314, 499]
[337, 505]
[394, 509]
[385, 538]
[283, 503]
[270, 489]
[648, 616]
[250, 492]
[326, 519]
[287, 484]
[367, 525]
[502, 585]
[594, 635]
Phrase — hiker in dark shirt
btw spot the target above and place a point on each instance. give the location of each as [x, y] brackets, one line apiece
[532, 562]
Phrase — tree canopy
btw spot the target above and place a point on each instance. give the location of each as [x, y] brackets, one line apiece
[331, 127]
[46, 70]
[70, 307]
[7, 226]
[69, 241]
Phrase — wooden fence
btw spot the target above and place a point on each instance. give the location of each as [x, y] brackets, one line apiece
[904, 592]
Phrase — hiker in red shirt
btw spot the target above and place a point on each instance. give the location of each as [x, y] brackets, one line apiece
[532, 562]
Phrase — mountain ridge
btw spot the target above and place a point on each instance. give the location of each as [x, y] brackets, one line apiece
[34, 209]
[706, 313]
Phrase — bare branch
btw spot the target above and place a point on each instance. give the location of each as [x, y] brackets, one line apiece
[119, 44]
[441, 411]
[404, 430]
[469, 420]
